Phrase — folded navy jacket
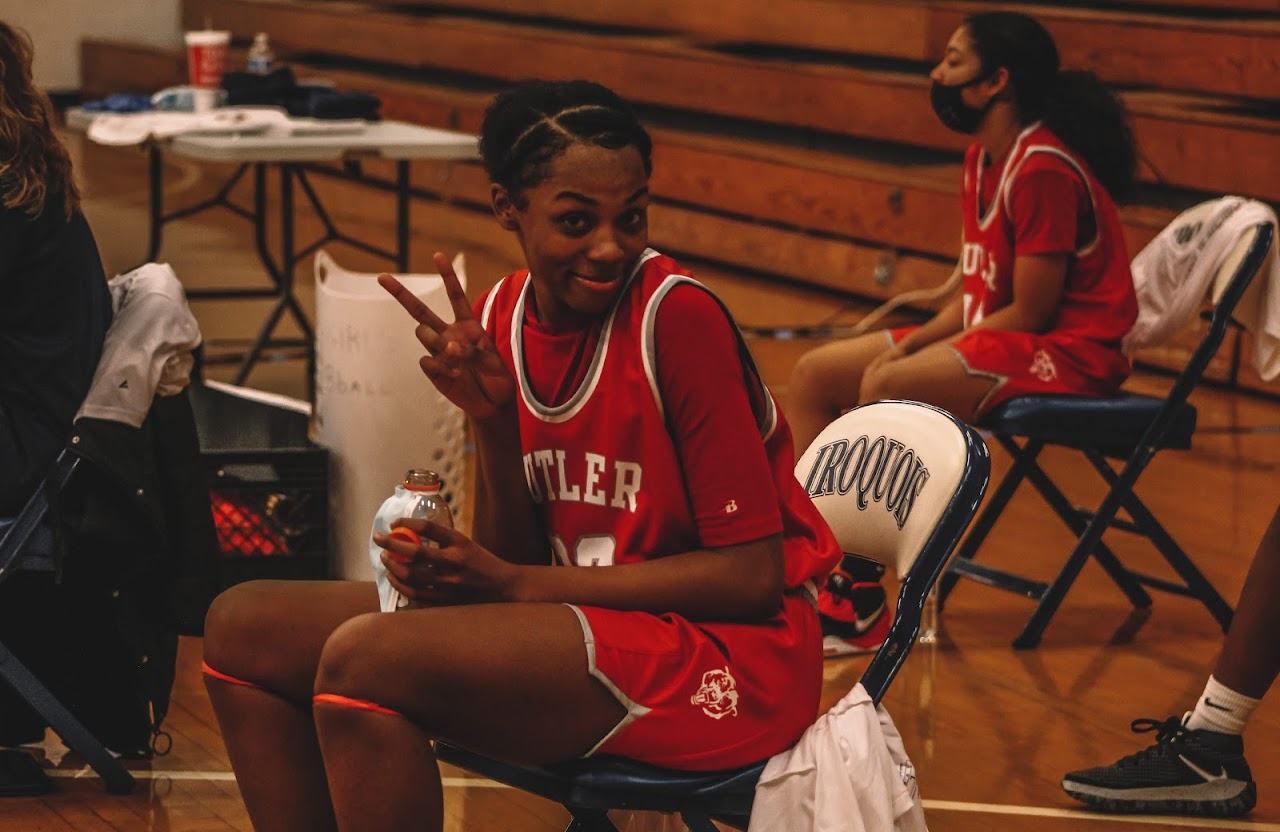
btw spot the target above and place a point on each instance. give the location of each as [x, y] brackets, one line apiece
[281, 89]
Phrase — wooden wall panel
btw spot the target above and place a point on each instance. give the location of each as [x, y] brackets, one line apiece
[793, 254]
[887, 28]
[1235, 56]
[886, 106]
[1229, 57]
[110, 67]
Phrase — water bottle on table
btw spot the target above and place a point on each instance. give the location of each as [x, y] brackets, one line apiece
[419, 496]
[261, 60]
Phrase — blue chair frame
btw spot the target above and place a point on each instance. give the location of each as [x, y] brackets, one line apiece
[590, 788]
[1131, 427]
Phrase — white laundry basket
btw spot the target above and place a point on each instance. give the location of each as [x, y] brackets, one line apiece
[376, 412]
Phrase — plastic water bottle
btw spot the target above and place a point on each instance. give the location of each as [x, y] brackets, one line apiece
[420, 497]
[261, 58]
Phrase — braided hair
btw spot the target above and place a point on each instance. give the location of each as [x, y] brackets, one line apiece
[528, 126]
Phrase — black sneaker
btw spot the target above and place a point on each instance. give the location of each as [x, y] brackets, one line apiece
[1185, 773]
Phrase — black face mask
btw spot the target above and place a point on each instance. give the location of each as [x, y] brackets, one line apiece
[951, 110]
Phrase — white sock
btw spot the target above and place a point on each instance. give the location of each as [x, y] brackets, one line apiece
[1221, 709]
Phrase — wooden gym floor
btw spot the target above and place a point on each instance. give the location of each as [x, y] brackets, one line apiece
[991, 729]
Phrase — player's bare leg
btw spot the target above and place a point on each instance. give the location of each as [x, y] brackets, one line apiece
[826, 382]
[1250, 657]
[935, 375]
[271, 634]
[507, 680]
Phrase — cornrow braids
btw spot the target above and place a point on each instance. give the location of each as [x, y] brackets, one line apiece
[528, 126]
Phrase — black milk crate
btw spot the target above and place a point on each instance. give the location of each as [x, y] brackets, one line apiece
[268, 484]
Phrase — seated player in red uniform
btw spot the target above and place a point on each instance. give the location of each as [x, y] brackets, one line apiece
[1047, 292]
[620, 424]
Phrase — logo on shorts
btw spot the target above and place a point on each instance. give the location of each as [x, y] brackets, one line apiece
[1042, 366]
[730, 507]
[718, 694]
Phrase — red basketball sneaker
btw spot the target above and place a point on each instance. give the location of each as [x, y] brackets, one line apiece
[854, 614]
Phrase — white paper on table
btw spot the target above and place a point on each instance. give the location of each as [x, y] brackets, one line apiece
[119, 129]
[375, 411]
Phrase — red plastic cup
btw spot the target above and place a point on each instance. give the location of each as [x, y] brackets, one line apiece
[206, 64]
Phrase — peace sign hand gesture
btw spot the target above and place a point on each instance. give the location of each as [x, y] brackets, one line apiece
[461, 360]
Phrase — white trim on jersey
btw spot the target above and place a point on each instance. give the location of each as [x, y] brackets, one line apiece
[488, 304]
[1083, 251]
[984, 220]
[582, 395]
[767, 422]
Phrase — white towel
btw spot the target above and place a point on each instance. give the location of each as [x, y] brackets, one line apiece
[848, 773]
[148, 346]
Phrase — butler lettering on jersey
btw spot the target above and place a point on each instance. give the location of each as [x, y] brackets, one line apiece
[880, 470]
[553, 475]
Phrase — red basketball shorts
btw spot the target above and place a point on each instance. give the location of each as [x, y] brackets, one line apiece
[1024, 363]
[706, 696]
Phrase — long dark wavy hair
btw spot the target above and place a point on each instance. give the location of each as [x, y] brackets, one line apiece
[1073, 104]
[34, 165]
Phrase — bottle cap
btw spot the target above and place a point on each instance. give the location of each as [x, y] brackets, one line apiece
[406, 533]
[420, 479]
[403, 533]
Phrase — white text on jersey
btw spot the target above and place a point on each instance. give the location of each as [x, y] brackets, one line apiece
[551, 478]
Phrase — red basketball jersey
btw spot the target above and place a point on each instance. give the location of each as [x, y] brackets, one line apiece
[602, 466]
[1098, 302]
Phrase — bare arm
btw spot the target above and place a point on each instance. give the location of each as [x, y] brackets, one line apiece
[506, 519]
[948, 322]
[1038, 284]
[747, 580]
[728, 583]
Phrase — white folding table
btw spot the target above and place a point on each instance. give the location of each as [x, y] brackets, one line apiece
[292, 151]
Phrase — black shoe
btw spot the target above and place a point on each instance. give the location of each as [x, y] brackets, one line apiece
[1185, 773]
[21, 775]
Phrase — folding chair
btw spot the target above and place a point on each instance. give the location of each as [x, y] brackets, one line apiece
[123, 486]
[1128, 427]
[898, 482]
[28, 545]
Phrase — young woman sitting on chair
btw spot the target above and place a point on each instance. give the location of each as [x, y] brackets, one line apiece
[1047, 293]
[608, 435]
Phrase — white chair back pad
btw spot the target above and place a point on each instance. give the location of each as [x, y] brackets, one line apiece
[883, 475]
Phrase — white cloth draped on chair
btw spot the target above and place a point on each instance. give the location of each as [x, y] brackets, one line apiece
[848, 773]
[1174, 275]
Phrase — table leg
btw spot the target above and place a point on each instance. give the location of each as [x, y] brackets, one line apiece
[260, 221]
[402, 215]
[155, 171]
[283, 276]
[288, 260]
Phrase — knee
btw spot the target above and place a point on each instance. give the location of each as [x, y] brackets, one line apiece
[349, 657]
[809, 382]
[877, 384]
[235, 621]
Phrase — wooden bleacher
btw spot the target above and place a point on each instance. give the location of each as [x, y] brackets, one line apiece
[794, 138]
